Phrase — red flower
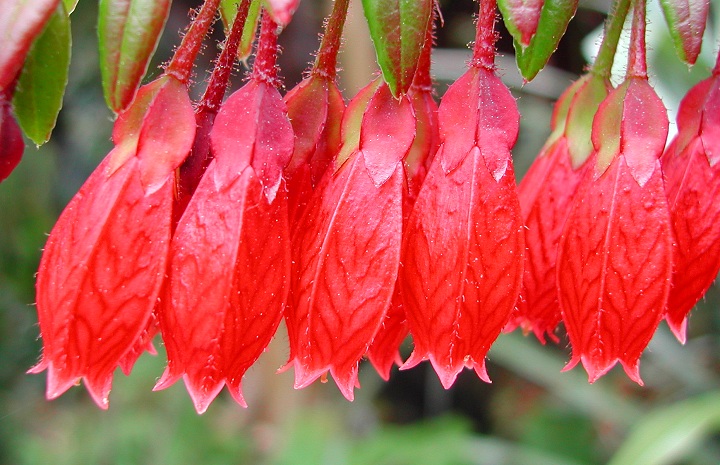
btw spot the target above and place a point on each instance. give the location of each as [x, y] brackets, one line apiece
[230, 260]
[692, 183]
[385, 348]
[346, 251]
[545, 193]
[614, 259]
[315, 108]
[463, 251]
[104, 263]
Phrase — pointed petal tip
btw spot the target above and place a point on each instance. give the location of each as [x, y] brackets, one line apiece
[167, 379]
[632, 370]
[679, 329]
[346, 380]
[413, 361]
[236, 394]
[203, 393]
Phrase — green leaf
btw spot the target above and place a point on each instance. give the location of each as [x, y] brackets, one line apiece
[666, 435]
[70, 5]
[129, 31]
[554, 18]
[686, 20]
[398, 29]
[228, 9]
[40, 89]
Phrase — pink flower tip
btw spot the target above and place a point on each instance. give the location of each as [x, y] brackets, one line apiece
[596, 370]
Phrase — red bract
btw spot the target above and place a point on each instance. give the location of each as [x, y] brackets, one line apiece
[346, 251]
[614, 259]
[545, 193]
[692, 183]
[229, 259]
[315, 108]
[104, 263]
[463, 251]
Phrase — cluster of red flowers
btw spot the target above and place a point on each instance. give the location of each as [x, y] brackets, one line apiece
[362, 224]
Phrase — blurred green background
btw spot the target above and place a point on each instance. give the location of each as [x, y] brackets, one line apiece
[531, 414]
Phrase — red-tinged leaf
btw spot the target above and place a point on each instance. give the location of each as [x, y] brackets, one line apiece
[614, 268]
[100, 276]
[345, 252]
[263, 113]
[70, 5]
[692, 184]
[315, 108]
[229, 270]
[554, 19]
[384, 351]
[281, 10]
[11, 141]
[521, 18]
[462, 265]
[21, 21]
[492, 122]
[41, 84]
[686, 21]
[398, 29]
[129, 31]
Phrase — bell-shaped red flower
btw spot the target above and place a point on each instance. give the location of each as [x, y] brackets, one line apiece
[346, 250]
[385, 348]
[104, 263]
[463, 251]
[315, 107]
[546, 192]
[230, 255]
[692, 184]
[615, 255]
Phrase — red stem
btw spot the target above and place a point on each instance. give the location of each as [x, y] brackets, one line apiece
[264, 69]
[220, 77]
[182, 62]
[326, 61]
[484, 50]
[637, 61]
